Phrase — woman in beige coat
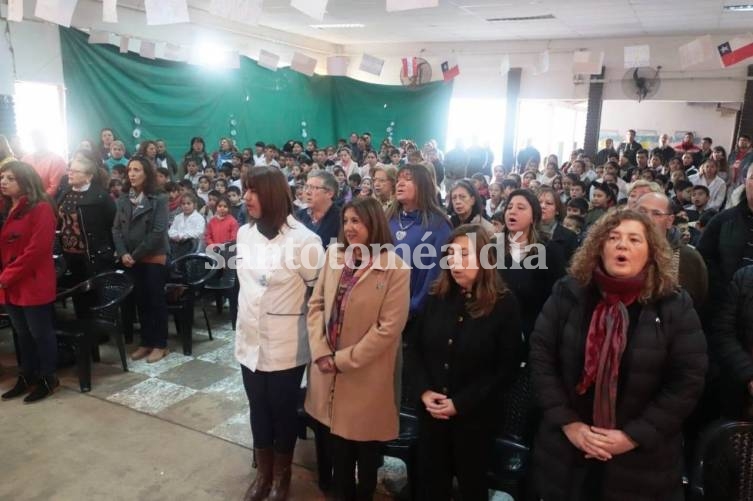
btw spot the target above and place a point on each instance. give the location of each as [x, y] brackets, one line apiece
[356, 315]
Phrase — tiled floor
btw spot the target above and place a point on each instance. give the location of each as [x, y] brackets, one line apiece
[203, 392]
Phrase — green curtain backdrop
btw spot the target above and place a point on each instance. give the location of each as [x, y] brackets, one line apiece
[176, 101]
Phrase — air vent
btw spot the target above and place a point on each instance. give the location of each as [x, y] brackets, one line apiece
[522, 18]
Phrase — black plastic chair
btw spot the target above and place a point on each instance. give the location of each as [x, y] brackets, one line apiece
[187, 276]
[224, 285]
[723, 463]
[104, 294]
[404, 448]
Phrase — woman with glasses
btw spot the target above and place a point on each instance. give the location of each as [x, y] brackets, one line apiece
[468, 207]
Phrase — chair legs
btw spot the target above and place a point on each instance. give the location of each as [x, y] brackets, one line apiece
[206, 320]
[84, 363]
[186, 330]
[120, 342]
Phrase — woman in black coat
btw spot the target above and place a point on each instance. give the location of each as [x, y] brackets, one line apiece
[86, 213]
[617, 361]
[552, 213]
[467, 352]
[731, 345]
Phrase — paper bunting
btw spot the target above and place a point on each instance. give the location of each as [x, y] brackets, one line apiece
[312, 8]
[303, 64]
[56, 11]
[110, 11]
[371, 64]
[161, 12]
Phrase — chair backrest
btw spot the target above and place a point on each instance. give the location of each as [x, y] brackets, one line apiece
[226, 252]
[106, 292]
[723, 463]
[193, 270]
[60, 266]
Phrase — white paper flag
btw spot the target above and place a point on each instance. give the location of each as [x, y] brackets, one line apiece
[99, 37]
[109, 11]
[16, 10]
[148, 50]
[303, 64]
[159, 12]
[504, 66]
[175, 52]
[371, 64]
[586, 62]
[637, 56]
[56, 11]
[243, 11]
[398, 5]
[699, 50]
[312, 8]
[124, 43]
[542, 63]
[268, 60]
[338, 65]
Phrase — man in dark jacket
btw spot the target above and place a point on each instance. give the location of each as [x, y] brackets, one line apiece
[603, 154]
[322, 216]
[629, 147]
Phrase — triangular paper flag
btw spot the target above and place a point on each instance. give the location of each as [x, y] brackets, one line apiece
[175, 52]
[303, 64]
[312, 8]
[124, 43]
[637, 56]
[338, 65]
[699, 50]
[371, 64]
[542, 63]
[109, 11]
[242, 11]
[56, 11]
[268, 60]
[398, 5]
[586, 62]
[147, 50]
[160, 12]
[16, 10]
[99, 37]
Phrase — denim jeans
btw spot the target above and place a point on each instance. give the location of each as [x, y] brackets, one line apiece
[37, 343]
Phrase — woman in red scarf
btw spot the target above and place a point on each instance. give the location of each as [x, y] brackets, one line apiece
[618, 360]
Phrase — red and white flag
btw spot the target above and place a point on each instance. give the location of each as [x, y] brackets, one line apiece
[736, 50]
[410, 67]
[450, 69]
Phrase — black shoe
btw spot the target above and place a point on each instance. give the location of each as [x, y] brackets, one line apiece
[42, 390]
[21, 387]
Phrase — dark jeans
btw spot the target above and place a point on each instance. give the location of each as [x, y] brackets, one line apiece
[36, 339]
[149, 291]
[273, 400]
[345, 455]
[449, 449]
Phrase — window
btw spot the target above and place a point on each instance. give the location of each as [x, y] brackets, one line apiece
[477, 121]
[41, 107]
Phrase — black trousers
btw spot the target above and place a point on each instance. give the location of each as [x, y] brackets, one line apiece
[80, 268]
[345, 455]
[273, 400]
[37, 343]
[452, 448]
[149, 291]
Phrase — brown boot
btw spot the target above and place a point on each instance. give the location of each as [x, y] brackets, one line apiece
[259, 488]
[281, 482]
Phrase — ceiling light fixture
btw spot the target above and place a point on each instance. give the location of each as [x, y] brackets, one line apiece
[739, 8]
[335, 26]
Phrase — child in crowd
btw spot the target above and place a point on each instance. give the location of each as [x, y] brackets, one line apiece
[115, 188]
[118, 172]
[577, 207]
[221, 186]
[163, 177]
[186, 187]
[299, 195]
[237, 207]
[683, 194]
[575, 224]
[235, 173]
[578, 189]
[187, 228]
[354, 182]
[495, 202]
[174, 194]
[208, 210]
[204, 187]
[700, 200]
[498, 220]
[603, 198]
[211, 173]
[223, 227]
[117, 155]
[366, 189]
[192, 172]
[479, 181]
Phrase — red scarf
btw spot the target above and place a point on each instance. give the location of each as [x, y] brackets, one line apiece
[605, 343]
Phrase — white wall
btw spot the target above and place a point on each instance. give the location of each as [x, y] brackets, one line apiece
[668, 117]
[37, 54]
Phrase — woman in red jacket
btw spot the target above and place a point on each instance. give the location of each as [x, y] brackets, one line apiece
[27, 278]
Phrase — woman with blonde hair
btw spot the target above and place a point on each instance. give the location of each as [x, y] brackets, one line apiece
[618, 360]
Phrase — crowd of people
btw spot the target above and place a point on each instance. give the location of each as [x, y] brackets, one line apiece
[607, 279]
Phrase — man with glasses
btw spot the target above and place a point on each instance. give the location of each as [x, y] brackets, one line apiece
[687, 264]
[321, 216]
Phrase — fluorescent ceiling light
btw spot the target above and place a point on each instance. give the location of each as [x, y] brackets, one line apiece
[333, 26]
[739, 8]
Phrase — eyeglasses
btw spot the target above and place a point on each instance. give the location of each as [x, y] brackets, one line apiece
[310, 187]
[655, 213]
[77, 171]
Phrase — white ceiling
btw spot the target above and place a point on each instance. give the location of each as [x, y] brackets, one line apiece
[465, 20]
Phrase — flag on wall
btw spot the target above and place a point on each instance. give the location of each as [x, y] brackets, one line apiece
[410, 67]
[450, 69]
[736, 50]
